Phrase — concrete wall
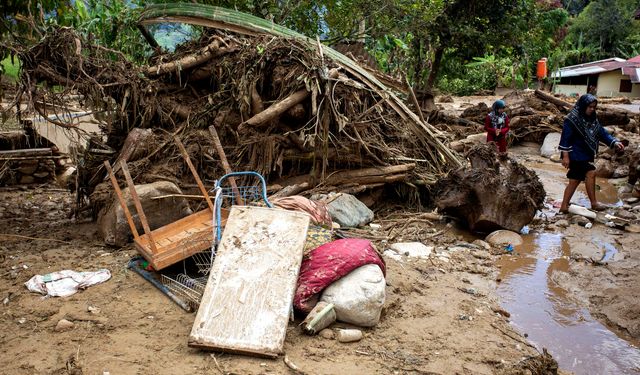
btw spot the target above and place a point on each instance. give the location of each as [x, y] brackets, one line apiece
[571, 90]
[609, 85]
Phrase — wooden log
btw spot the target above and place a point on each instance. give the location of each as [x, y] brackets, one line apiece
[278, 108]
[187, 62]
[26, 152]
[290, 190]
[366, 176]
[552, 99]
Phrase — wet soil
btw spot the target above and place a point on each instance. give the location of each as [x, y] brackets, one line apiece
[431, 322]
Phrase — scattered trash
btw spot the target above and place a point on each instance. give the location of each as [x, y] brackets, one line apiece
[318, 210]
[588, 225]
[64, 325]
[261, 244]
[328, 263]
[409, 249]
[524, 230]
[93, 310]
[472, 291]
[66, 283]
[359, 296]
[579, 210]
[349, 335]
[322, 316]
[139, 266]
[22, 320]
[291, 365]
[508, 248]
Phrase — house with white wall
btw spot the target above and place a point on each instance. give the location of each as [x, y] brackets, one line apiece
[610, 77]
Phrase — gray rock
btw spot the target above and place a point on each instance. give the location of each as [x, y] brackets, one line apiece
[621, 171]
[580, 220]
[562, 223]
[64, 325]
[348, 211]
[113, 225]
[502, 237]
[624, 214]
[327, 334]
[42, 174]
[482, 244]
[604, 168]
[550, 145]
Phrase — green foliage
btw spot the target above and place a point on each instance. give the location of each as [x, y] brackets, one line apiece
[110, 23]
[470, 80]
[10, 67]
[604, 28]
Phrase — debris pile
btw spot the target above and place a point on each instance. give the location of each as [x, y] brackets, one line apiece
[282, 105]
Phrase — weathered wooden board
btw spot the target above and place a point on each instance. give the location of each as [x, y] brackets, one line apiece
[246, 304]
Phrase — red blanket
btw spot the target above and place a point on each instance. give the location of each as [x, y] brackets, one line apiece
[328, 263]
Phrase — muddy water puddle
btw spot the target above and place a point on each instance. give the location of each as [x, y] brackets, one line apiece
[551, 319]
[553, 176]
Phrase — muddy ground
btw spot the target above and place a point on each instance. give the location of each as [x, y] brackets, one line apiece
[443, 315]
[429, 324]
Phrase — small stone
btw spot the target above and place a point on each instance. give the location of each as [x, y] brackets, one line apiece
[632, 200]
[93, 310]
[624, 214]
[375, 226]
[580, 220]
[552, 227]
[22, 320]
[562, 223]
[482, 244]
[64, 325]
[327, 334]
[633, 228]
[27, 180]
[502, 237]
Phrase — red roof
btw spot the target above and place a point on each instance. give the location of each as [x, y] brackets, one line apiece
[634, 59]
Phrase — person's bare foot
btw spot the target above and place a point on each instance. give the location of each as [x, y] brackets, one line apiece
[598, 207]
[563, 210]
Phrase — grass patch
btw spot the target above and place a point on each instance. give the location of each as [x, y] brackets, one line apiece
[9, 69]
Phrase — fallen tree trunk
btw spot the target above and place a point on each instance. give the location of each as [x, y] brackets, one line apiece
[277, 109]
[490, 194]
[349, 178]
[552, 99]
[187, 62]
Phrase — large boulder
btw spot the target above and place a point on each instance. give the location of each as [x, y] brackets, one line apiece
[359, 296]
[112, 222]
[550, 145]
[491, 194]
[348, 211]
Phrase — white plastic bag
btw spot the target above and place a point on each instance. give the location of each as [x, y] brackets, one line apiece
[66, 283]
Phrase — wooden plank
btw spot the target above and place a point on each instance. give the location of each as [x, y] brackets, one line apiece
[137, 204]
[187, 159]
[26, 152]
[123, 203]
[246, 304]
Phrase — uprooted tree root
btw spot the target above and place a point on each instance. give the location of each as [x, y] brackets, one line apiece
[490, 194]
[340, 121]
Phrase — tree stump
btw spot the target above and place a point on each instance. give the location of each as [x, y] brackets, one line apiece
[491, 194]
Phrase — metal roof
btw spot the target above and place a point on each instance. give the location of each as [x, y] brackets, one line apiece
[629, 67]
